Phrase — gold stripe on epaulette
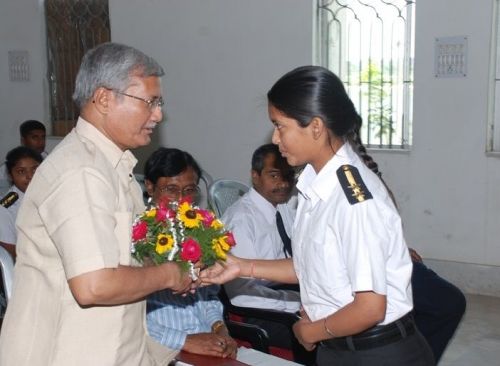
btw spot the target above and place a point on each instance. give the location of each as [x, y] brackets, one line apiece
[9, 199]
[357, 190]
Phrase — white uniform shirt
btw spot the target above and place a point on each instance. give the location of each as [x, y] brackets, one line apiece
[8, 216]
[7, 227]
[340, 249]
[252, 220]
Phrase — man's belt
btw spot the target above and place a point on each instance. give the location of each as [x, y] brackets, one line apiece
[377, 336]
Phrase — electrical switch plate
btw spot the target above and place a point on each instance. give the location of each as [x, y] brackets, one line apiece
[19, 68]
[450, 55]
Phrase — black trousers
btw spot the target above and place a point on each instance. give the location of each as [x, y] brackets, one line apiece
[410, 351]
[438, 307]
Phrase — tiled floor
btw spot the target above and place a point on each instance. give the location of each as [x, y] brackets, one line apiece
[477, 339]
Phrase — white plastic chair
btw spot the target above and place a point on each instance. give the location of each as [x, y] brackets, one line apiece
[222, 193]
[7, 267]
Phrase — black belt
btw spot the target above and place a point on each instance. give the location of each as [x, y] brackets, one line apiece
[377, 336]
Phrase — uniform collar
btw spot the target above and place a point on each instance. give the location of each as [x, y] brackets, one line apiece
[20, 194]
[318, 186]
[263, 204]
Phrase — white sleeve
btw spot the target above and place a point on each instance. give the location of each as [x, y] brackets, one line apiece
[255, 294]
[8, 233]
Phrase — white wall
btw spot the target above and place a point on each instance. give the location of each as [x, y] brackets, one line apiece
[448, 187]
[21, 28]
[221, 57]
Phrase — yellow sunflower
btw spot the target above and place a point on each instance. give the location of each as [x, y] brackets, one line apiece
[151, 213]
[164, 243]
[188, 216]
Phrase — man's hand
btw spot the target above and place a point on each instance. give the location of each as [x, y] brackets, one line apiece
[211, 344]
[181, 281]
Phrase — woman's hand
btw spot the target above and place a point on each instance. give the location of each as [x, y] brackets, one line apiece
[222, 272]
[302, 328]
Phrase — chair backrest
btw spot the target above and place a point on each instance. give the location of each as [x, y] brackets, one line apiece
[222, 193]
[7, 267]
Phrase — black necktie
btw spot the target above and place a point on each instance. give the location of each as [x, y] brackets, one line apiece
[287, 243]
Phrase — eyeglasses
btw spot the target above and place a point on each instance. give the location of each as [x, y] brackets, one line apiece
[176, 192]
[152, 103]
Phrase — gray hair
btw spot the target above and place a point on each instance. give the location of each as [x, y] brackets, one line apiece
[111, 65]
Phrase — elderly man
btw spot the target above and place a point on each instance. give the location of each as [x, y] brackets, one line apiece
[77, 297]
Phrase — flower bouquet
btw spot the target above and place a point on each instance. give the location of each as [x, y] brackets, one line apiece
[180, 232]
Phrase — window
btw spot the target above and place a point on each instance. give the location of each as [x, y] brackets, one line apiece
[369, 45]
[73, 27]
[493, 144]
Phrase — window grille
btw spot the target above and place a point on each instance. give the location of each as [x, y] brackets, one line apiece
[369, 45]
[73, 27]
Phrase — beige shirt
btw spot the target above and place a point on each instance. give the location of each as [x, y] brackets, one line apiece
[76, 217]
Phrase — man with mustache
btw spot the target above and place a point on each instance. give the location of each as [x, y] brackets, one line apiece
[253, 219]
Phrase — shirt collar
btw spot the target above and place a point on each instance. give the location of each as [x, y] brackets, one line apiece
[318, 186]
[264, 205]
[20, 194]
[112, 152]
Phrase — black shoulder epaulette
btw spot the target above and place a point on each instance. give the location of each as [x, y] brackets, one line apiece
[9, 199]
[352, 184]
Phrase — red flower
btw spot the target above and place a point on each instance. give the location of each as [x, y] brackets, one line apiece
[208, 217]
[191, 250]
[230, 239]
[163, 211]
[139, 230]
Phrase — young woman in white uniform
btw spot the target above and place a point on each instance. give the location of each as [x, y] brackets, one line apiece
[350, 257]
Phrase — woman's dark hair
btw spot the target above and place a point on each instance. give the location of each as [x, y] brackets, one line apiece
[314, 91]
[18, 153]
[168, 162]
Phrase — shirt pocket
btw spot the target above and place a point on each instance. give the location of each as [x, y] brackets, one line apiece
[123, 234]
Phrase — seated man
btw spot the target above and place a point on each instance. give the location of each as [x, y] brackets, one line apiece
[33, 135]
[192, 322]
[260, 233]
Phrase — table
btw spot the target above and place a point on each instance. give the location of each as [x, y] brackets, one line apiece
[199, 360]
[248, 355]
